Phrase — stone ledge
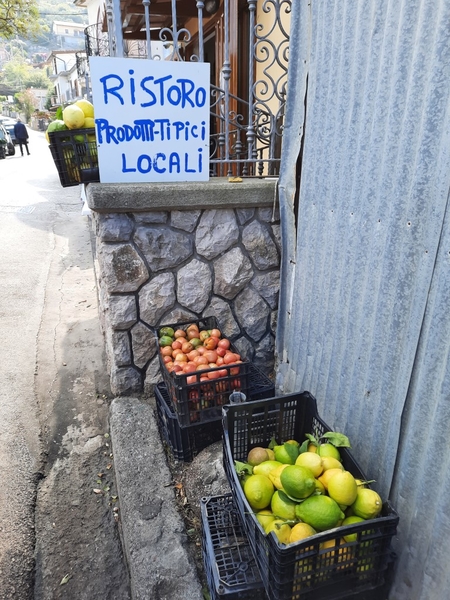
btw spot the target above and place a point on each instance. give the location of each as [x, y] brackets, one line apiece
[154, 537]
[215, 193]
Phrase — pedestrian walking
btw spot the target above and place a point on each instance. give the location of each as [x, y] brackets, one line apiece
[21, 133]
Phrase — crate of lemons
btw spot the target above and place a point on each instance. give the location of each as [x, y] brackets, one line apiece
[297, 491]
[79, 147]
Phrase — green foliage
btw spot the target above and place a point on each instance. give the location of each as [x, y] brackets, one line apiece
[26, 102]
[19, 17]
[20, 75]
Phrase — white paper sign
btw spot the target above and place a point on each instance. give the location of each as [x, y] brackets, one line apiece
[151, 119]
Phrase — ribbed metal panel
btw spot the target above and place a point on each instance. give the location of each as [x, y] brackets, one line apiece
[364, 322]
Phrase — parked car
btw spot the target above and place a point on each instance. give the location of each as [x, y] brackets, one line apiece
[6, 145]
[8, 124]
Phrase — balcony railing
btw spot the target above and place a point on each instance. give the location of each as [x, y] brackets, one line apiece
[247, 105]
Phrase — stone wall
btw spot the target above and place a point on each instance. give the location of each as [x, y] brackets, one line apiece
[157, 267]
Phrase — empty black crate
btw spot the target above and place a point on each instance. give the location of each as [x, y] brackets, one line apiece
[186, 442]
[202, 401]
[305, 570]
[230, 567]
[74, 152]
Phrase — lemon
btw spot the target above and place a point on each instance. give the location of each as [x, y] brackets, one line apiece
[300, 531]
[298, 482]
[266, 467]
[312, 461]
[282, 506]
[328, 462]
[327, 475]
[368, 504]
[258, 490]
[312, 448]
[87, 107]
[73, 117]
[275, 474]
[286, 454]
[321, 512]
[351, 537]
[265, 517]
[328, 450]
[256, 456]
[89, 123]
[281, 529]
[342, 488]
[320, 488]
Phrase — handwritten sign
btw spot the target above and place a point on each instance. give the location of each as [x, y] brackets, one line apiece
[151, 119]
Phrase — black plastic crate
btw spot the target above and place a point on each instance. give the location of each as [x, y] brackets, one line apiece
[230, 567]
[304, 570]
[186, 442]
[74, 152]
[202, 401]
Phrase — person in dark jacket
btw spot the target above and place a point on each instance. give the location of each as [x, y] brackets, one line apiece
[21, 133]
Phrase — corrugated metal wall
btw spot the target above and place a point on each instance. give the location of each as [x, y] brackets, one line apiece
[364, 320]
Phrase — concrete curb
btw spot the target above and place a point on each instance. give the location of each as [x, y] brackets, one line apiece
[153, 531]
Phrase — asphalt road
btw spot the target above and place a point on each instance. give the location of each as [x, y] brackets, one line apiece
[58, 538]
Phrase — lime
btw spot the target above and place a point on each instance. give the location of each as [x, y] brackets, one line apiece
[282, 506]
[312, 461]
[286, 454]
[368, 504]
[328, 450]
[342, 488]
[351, 537]
[321, 512]
[258, 490]
[298, 482]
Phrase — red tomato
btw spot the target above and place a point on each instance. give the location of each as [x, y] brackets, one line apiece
[166, 350]
[219, 361]
[192, 354]
[230, 358]
[192, 333]
[180, 357]
[179, 333]
[187, 347]
[169, 366]
[202, 367]
[224, 343]
[211, 356]
[203, 335]
[223, 372]
[213, 374]
[201, 350]
[177, 368]
[210, 343]
[189, 367]
[215, 333]
[189, 380]
[200, 360]
[176, 345]
[220, 351]
[167, 359]
[176, 352]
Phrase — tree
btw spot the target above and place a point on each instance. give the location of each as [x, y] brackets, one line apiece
[27, 103]
[19, 17]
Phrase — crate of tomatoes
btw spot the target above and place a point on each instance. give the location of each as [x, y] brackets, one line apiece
[200, 368]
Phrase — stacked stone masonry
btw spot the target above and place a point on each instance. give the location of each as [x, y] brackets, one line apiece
[160, 267]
